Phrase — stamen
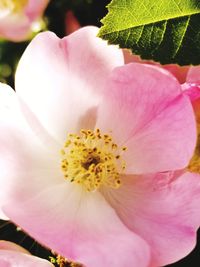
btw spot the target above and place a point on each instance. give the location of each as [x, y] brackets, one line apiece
[92, 159]
[60, 261]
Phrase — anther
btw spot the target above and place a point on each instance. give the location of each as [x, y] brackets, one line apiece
[92, 159]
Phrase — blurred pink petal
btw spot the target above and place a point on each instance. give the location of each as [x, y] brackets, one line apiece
[17, 18]
[7, 245]
[19, 157]
[12, 255]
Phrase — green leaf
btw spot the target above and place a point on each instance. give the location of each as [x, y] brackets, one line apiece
[167, 31]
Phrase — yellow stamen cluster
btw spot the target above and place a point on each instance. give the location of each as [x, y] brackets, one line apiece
[92, 159]
[60, 261]
[13, 5]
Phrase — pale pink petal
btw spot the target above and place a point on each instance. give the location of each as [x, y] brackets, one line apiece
[2, 214]
[66, 78]
[7, 121]
[80, 226]
[7, 245]
[22, 155]
[163, 209]
[13, 255]
[17, 26]
[35, 8]
[18, 259]
[24, 159]
[145, 110]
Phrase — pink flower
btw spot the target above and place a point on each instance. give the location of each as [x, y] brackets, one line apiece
[89, 153]
[12, 255]
[17, 17]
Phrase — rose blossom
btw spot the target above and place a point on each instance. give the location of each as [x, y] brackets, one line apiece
[89, 153]
[12, 255]
[18, 16]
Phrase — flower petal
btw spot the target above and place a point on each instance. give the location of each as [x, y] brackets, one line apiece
[146, 111]
[66, 78]
[17, 26]
[80, 226]
[22, 153]
[35, 8]
[15, 259]
[14, 27]
[162, 209]
[7, 245]
[2, 214]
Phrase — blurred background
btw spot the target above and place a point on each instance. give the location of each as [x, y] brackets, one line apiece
[58, 14]
[61, 17]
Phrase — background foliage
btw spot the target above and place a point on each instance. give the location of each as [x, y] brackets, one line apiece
[167, 31]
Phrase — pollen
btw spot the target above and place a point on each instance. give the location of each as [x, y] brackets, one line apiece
[60, 261]
[92, 159]
[13, 5]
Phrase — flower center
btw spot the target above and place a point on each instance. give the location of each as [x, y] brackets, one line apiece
[92, 159]
[13, 5]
